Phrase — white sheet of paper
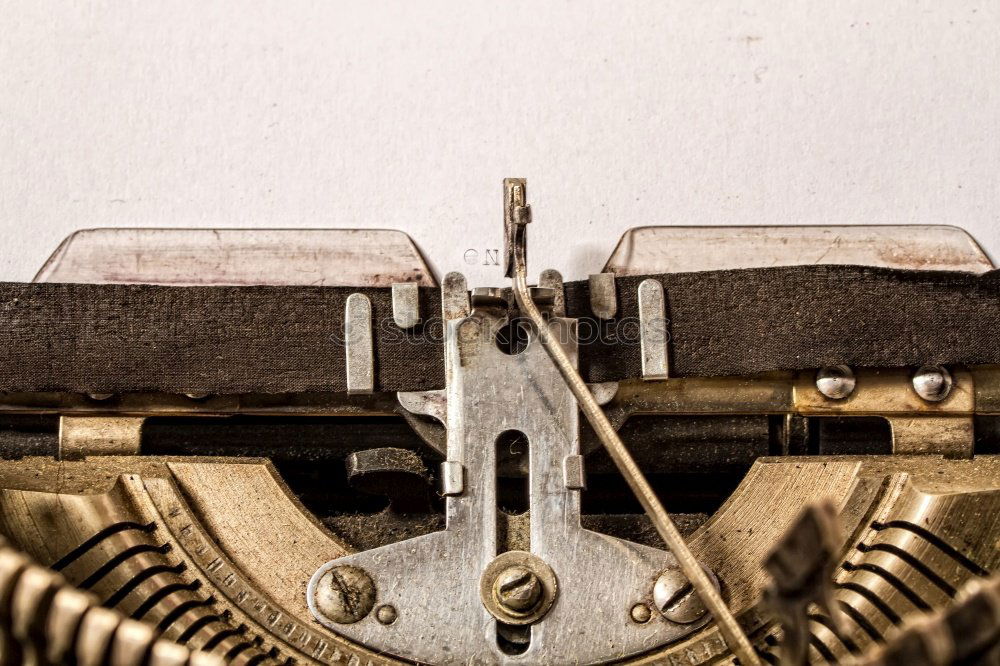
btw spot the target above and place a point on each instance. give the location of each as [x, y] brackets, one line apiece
[408, 115]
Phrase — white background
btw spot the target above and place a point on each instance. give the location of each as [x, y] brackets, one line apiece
[408, 115]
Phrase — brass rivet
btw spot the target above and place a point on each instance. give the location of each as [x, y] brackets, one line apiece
[386, 614]
[640, 613]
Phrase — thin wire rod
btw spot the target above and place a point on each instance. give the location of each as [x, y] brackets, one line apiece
[730, 629]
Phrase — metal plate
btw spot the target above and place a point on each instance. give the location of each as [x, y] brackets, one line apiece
[433, 581]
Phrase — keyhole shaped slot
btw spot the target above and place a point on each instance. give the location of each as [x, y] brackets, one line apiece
[513, 527]
[513, 337]
[513, 471]
[513, 639]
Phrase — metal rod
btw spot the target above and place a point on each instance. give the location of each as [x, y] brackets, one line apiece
[516, 216]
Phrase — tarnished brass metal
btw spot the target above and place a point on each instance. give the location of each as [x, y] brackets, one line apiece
[801, 568]
[967, 632]
[233, 547]
[44, 620]
[219, 544]
[881, 392]
[918, 426]
[884, 392]
[532, 583]
[213, 554]
[82, 436]
[950, 436]
[139, 534]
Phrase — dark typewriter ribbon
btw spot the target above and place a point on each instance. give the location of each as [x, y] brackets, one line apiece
[259, 339]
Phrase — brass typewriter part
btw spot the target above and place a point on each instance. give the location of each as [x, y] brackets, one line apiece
[204, 517]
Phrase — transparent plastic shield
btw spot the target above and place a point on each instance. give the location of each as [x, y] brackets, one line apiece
[186, 257]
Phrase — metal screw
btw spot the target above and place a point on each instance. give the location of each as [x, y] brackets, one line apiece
[517, 589]
[835, 381]
[345, 594]
[640, 613]
[676, 600]
[932, 382]
[386, 614]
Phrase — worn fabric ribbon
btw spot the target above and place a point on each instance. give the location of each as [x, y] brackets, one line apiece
[262, 339]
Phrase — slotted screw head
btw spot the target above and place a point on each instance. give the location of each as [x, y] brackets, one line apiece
[517, 589]
[676, 599]
[345, 594]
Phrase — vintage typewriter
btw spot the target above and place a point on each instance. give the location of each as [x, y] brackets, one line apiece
[733, 445]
